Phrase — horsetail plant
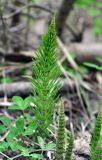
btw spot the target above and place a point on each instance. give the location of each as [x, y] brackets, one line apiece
[69, 149]
[96, 141]
[60, 144]
[46, 83]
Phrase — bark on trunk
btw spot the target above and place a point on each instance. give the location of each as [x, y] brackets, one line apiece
[62, 15]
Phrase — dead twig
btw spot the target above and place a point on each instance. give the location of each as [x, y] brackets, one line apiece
[30, 5]
[67, 54]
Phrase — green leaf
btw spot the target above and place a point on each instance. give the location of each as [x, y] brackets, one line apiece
[84, 69]
[49, 146]
[36, 156]
[3, 146]
[18, 100]
[20, 125]
[20, 103]
[41, 142]
[94, 12]
[24, 151]
[5, 120]
[92, 65]
[28, 117]
[27, 101]
[13, 145]
[2, 129]
[13, 133]
[31, 128]
[71, 72]
[84, 3]
[98, 26]
[14, 107]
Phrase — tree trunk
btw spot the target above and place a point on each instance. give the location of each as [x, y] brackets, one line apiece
[62, 15]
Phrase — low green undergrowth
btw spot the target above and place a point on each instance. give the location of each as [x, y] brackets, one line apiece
[30, 134]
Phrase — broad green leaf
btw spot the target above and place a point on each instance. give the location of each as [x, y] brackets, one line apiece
[2, 129]
[13, 133]
[3, 146]
[27, 101]
[49, 147]
[41, 142]
[18, 100]
[31, 128]
[14, 107]
[36, 156]
[5, 120]
[28, 117]
[13, 145]
[20, 125]
[24, 151]
[20, 103]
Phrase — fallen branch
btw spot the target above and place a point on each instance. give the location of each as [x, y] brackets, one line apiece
[86, 52]
[18, 88]
[83, 52]
[24, 88]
